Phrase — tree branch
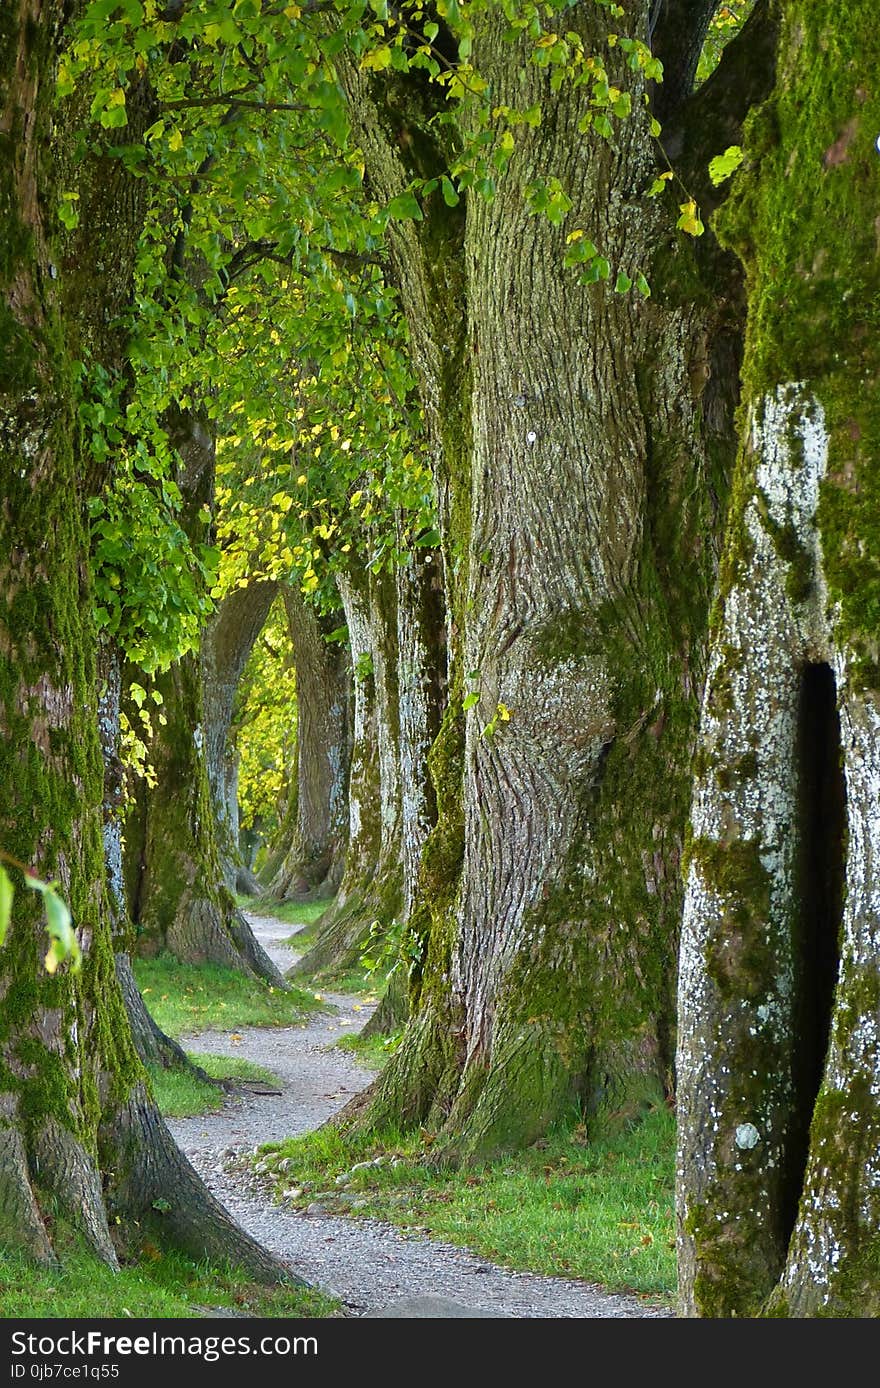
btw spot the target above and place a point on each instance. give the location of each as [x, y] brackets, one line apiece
[678, 32]
[712, 118]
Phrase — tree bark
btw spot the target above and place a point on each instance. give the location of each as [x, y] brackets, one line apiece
[371, 884]
[315, 860]
[82, 1142]
[582, 440]
[779, 1063]
[227, 641]
[422, 685]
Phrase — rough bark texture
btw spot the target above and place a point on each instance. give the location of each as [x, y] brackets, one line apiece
[779, 1056]
[177, 894]
[422, 688]
[582, 440]
[82, 1142]
[315, 860]
[371, 885]
[227, 641]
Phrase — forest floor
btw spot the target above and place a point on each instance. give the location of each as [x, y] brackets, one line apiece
[367, 1263]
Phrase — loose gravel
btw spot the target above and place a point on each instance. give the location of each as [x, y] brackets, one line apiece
[368, 1264]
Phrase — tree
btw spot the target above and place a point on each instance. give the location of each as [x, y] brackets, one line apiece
[371, 884]
[778, 1053]
[226, 645]
[315, 857]
[582, 439]
[80, 1132]
[178, 898]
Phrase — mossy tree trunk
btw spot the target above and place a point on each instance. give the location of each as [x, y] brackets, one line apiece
[582, 440]
[315, 859]
[227, 641]
[81, 1140]
[422, 678]
[779, 1059]
[178, 897]
[371, 884]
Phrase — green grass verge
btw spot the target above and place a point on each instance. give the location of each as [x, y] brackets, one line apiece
[204, 997]
[373, 1052]
[291, 912]
[162, 1285]
[181, 1094]
[566, 1206]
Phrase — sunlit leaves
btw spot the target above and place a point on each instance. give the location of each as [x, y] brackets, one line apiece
[689, 221]
[6, 895]
[723, 165]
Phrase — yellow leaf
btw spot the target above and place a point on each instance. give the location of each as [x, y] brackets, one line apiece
[689, 221]
[175, 139]
[378, 59]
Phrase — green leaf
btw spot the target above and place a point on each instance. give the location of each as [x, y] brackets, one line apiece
[405, 208]
[623, 284]
[723, 165]
[63, 943]
[6, 895]
[450, 196]
[690, 221]
[470, 701]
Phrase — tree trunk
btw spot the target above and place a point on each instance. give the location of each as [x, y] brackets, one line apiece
[82, 1142]
[151, 1043]
[422, 684]
[582, 439]
[371, 885]
[227, 641]
[779, 1062]
[178, 897]
[314, 863]
[179, 901]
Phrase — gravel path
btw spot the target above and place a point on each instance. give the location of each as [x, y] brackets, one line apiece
[368, 1264]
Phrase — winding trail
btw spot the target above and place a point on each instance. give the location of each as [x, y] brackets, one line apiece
[367, 1263]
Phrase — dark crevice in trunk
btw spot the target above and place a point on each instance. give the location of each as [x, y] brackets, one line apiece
[821, 880]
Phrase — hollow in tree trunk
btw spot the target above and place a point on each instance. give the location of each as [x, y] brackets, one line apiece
[779, 1060]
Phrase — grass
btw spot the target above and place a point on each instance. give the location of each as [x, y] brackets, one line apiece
[181, 1094]
[291, 912]
[602, 1210]
[159, 1285]
[204, 997]
[373, 1052]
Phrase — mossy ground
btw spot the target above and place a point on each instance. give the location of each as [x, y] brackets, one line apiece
[180, 1094]
[565, 1206]
[159, 1285]
[189, 998]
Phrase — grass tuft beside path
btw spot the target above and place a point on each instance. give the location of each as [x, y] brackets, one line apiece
[160, 1285]
[602, 1211]
[204, 997]
[181, 1094]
